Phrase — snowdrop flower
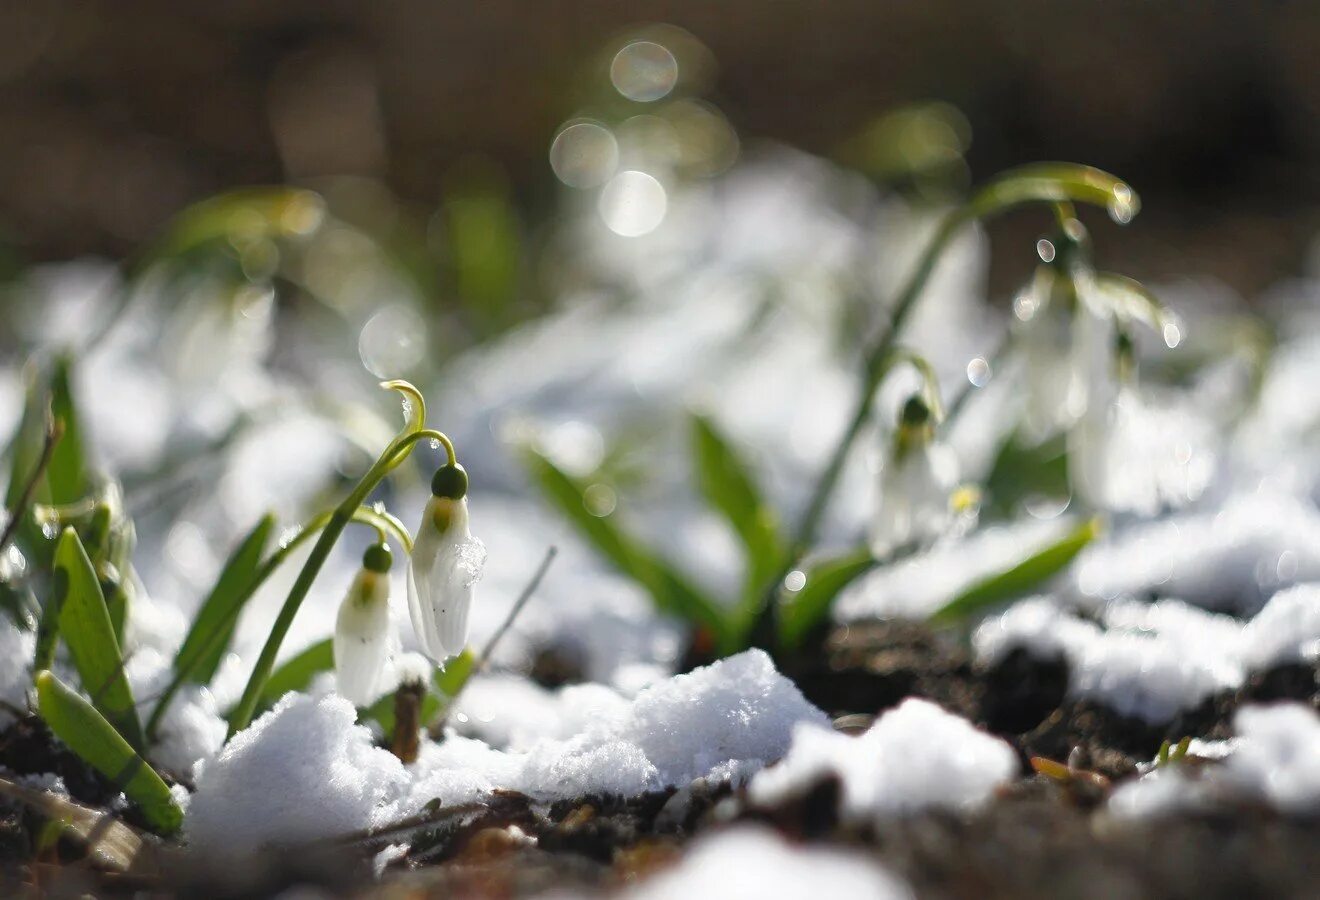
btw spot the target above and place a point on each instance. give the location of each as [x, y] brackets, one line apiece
[446, 562]
[1126, 454]
[1056, 389]
[916, 482]
[362, 639]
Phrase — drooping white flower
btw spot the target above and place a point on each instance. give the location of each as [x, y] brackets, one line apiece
[362, 637]
[446, 563]
[916, 483]
[1055, 379]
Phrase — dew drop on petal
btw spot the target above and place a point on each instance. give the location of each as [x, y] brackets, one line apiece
[795, 581]
[1045, 250]
[1172, 335]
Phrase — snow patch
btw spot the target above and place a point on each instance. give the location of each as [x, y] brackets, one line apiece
[915, 757]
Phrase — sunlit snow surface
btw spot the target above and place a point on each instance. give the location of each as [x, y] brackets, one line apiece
[305, 770]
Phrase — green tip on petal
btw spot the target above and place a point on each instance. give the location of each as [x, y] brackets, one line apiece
[450, 482]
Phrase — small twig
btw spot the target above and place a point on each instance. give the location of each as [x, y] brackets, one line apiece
[483, 658]
[54, 431]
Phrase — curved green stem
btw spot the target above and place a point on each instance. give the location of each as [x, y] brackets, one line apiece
[393, 455]
[1056, 184]
[383, 522]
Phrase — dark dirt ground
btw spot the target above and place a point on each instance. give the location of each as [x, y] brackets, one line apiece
[1040, 838]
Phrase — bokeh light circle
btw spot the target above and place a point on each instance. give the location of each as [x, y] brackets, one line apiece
[633, 203]
[584, 154]
[644, 71]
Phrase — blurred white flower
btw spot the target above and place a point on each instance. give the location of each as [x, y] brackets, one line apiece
[362, 638]
[916, 483]
[446, 563]
[1056, 388]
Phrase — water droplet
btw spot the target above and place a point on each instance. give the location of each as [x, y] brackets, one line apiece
[435, 443]
[392, 342]
[584, 154]
[978, 372]
[644, 71]
[1045, 250]
[600, 499]
[1172, 335]
[633, 204]
[1025, 306]
[795, 581]
[1123, 205]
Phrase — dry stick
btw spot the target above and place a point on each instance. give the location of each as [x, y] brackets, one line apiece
[484, 657]
[54, 431]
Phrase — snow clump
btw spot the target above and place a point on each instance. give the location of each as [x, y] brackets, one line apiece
[915, 757]
[1156, 660]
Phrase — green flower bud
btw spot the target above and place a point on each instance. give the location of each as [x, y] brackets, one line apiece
[377, 558]
[450, 482]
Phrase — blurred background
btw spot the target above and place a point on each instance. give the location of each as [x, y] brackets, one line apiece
[113, 116]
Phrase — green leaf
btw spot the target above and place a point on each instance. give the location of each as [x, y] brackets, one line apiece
[84, 621]
[1022, 471]
[213, 628]
[1021, 578]
[1054, 182]
[87, 733]
[243, 215]
[25, 448]
[804, 610]
[727, 486]
[67, 474]
[296, 674]
[451, 679]
[670, 591]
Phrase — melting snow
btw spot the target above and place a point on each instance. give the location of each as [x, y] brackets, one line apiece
[915, 757]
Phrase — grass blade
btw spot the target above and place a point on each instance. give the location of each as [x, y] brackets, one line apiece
[87, 733]
[1021, 578]
[670, 591]
[84, 622]
[67, 474]
[806, 609]
[212, 630]
[726, 484]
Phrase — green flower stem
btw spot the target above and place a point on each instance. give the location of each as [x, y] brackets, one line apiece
[379, 519]
[394, 454]
[1055, 184]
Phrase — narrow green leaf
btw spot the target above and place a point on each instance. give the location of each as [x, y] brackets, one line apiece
[1021, 578]
[451, 679]
[67, 474]
[1022, 471]
[84, 621]
[726, 484]
[296, 674]
[87, 733]
[213, 628]
[804, 610]
[670, 591]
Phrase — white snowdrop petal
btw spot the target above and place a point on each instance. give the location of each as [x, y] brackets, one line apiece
[361, 639]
